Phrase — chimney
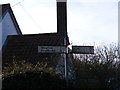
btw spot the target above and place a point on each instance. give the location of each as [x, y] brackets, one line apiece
[62, 17]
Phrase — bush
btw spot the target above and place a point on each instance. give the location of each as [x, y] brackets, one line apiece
[26, 75]
[100, 70]
[33, 80]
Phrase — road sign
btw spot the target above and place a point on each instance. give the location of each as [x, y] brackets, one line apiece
[83, 49]
[52, 49]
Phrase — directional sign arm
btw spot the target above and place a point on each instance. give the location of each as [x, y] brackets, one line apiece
[52, 49]
[83, 49]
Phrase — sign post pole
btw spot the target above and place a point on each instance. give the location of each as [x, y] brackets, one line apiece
[66, 66]
[65, 50]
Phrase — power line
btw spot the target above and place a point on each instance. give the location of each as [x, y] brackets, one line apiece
[19, 3]
[30, 16]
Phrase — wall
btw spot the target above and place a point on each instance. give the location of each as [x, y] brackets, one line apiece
[8, 28]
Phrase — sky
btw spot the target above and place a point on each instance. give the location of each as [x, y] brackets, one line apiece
[88, 21]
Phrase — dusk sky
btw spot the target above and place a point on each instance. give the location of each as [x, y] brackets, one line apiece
[88, 21]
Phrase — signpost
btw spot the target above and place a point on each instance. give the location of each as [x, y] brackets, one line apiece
[65, 50]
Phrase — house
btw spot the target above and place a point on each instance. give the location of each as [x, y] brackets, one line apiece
[25, 47]
[8, 23]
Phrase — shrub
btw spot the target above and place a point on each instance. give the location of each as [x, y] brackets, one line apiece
[26, 75]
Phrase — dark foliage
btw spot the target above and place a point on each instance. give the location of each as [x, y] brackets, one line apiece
[100, 70]
[33, 80]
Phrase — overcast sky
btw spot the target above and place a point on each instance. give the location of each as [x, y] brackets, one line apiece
[88, 21]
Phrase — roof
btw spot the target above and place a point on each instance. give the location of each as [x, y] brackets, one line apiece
[3, 8]
[7, 8]
[25, 47]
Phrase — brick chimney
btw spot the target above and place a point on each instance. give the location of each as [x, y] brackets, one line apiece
[62, 17]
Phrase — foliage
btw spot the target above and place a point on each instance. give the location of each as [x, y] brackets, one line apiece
[100, 70]
[23, 74]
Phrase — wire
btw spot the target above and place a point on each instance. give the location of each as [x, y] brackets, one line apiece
[30, 16]
[19, 3]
